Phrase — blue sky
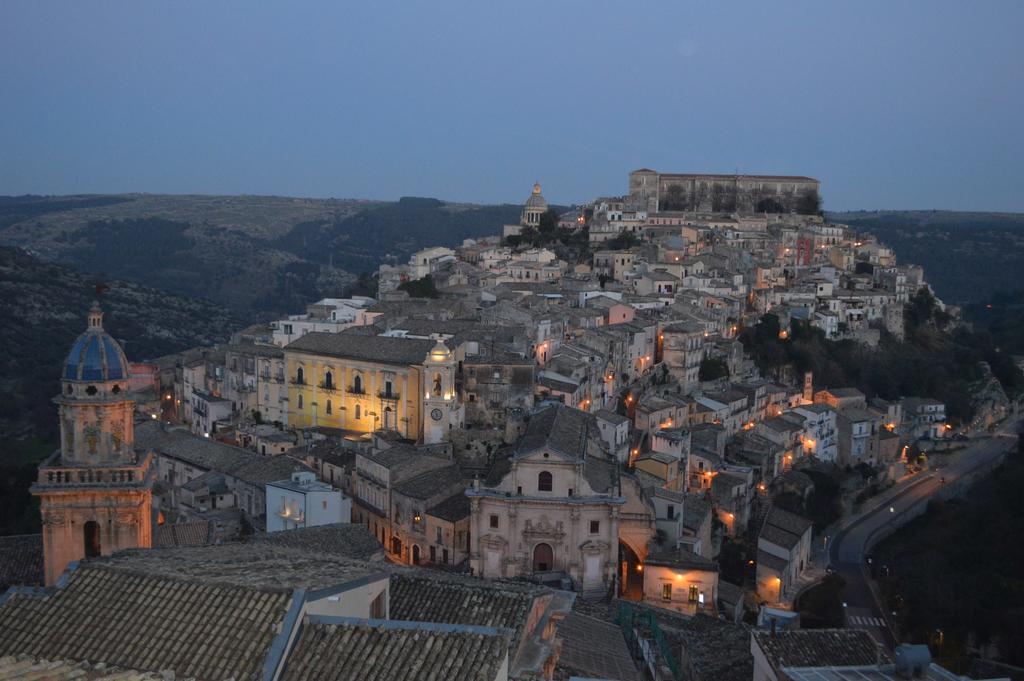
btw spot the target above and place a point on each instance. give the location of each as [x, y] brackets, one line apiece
[892, 104]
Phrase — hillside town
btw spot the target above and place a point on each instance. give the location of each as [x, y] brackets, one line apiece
[546, 454]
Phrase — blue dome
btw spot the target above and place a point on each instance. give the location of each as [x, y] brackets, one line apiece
[95, 356]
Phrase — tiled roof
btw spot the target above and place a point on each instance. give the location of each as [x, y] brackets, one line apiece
[819, 648]
[199, 451]
[349, 540]
[558, 428]
[250, 564]
[358, 650]
[21, 561]
[696, 510]
[452, 601]
[196, 533]
[452, 509]
[211, 455]
[593, 648]
[784, 528]
[23, 667]
[682, 558]
[600, 474]
[426, 485]
[199, 629]
[383, 349]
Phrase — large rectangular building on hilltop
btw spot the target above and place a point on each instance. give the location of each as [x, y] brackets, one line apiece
[704, 192]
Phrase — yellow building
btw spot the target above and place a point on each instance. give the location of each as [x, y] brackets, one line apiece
[365, 383]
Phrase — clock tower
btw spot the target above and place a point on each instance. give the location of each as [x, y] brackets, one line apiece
[442, 411]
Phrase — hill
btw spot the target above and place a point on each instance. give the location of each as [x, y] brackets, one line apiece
[966, 256]
[43, 312]
[251, 253]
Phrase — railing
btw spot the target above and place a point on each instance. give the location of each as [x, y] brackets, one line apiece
[299, 381]
[355, 391]
[99, 475]
[631, 619]
[324, 385]
[385, 395]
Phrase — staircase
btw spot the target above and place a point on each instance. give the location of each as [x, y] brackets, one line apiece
[595, 594]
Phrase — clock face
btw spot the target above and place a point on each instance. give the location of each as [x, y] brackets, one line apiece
[436, 414]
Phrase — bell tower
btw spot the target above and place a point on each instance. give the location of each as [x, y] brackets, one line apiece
[95, 492]
[442, 410]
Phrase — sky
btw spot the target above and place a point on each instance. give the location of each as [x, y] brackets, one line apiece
[891, 104]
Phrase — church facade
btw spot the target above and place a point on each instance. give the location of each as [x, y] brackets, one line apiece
[363, 383]
[561, 507]
[95, 492]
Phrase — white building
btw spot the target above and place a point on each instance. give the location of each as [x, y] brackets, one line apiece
[303, 501]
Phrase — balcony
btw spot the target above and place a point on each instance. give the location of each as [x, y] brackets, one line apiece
[329, 387]
[130, 475]
[389, 395]
[299, 381]
[353, 390]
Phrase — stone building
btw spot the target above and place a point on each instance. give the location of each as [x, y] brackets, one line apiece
[362, 384]
[661, 192]
[494, 385]
[559, 507]
[95, 493]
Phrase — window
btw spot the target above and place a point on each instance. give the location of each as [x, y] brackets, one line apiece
[440, 539]
[328, 380]
[358, 413]
[519, 490]
[544, 482]
[300, 376]
[324, 502]
[694, 593]
[357, 385]
[595, 526]
[666, 592]
[377, 606]
[330, 409]
[570, 491]
[494, 522]
[300, 401]
[671, 511]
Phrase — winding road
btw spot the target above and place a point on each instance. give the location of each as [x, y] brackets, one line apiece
[846, 550]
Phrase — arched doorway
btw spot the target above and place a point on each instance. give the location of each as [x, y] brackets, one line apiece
[91, 536]
[543, 558]
[631, 574]
[389, 418]
[415, 554]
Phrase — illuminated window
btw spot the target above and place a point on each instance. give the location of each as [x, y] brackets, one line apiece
[694, 593]
[666, 592]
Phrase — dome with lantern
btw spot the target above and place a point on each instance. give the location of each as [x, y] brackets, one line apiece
[95, 355]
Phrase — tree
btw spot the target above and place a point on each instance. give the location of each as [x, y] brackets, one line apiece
[548, 221]
[420, 288]
[809, 203]
[713, 368]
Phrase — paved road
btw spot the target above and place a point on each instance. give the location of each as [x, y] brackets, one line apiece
[846, 551]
